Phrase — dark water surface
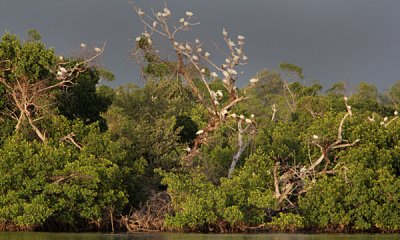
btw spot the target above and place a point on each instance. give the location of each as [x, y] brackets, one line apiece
[180, 236]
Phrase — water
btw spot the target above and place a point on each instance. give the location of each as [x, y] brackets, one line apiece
[180, 236]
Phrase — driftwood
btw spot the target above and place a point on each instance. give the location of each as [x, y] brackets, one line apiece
[150, 216]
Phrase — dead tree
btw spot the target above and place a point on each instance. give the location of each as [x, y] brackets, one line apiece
[248, 130]
[28, 100]
[191, 62]
[290, 180]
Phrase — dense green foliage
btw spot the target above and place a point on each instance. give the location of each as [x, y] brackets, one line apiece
[314, 161]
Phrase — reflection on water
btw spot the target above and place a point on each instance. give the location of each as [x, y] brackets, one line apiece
[161, 236]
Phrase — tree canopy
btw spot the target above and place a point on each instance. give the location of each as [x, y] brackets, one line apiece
[190, 150]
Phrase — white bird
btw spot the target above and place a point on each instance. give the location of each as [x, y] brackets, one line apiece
[216, 102]
[185, 24]
[224, 112]
[176, 44]
[188, 149]
[63, 70]
[371, 119]
[226, 74]
[396, 113]
[244, 58]
[315, 137]
[241, 38]
[241, 116]
[200, 132]
[155, 24]
[199, 50]
[385, 119]
[345, 98]
[233, 115]
[197, 41]
[195, 58]
[214, 74]
[219, 93]
[140, 12]
[232, 71]
[83, 45]
[149, 41]
[167, 12]
[181, 20]
[138, 39]
[207, 54]
[252, 115]
[231, 44]
[61, 58]
[96, 49]
[248, 120]
[188, 47]
[203, 70]
[189, 14]
[224, 32]
[254, 80]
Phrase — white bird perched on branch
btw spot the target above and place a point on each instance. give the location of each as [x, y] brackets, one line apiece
[188, 47]
[200, 132]
[63, 70]
[97, 49]
[241, 38]
[189, 14]
[140, 12]
[224, 32]
[315, 137]
[167, 12]
[254, 80]
[83, 45]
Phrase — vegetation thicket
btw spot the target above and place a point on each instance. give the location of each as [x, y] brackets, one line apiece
[190, 150]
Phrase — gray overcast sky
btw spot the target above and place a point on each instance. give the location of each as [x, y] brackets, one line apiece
[333, 40]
